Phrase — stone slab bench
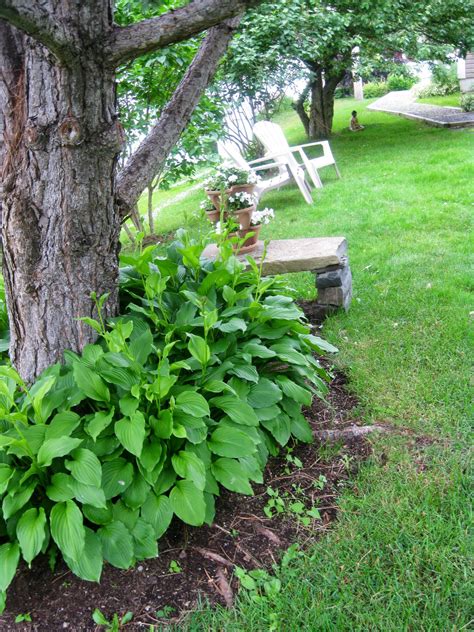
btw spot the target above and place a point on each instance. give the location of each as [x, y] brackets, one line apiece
[326, 257]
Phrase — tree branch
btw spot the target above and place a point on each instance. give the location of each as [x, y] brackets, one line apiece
[132, 41]
[149, 158]
[34, 19]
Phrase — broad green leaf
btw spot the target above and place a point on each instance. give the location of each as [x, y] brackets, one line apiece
[12, 502]
[9, 558]
[245, 371]
[90, 383]
[234, 324]
[238, 411]
[231, 474]
[257, 350]
[31, 532]
[199, 349]
[264, 394]
[116, 477]
[144, 541]
[98, 516]
[88, 494]
[136, 493]
[85, 467]
[60, 488]
[267, 413]
[187, 502]
[37, 394]
[67, 528]
[128, 405]
[131, 433]
[62, 425]
[124, 514]
[301, 429]
[6, 473]
[157, 511]
[99, 422]
[163, 426]
[56, 447]
[141, 346]
[319, 345]
[89, 565]
[230, 442]
[163, 384]
[126, 378]
[189, 466]
[117, 544]
[294, 391]
[279, 427]
[193, 404]
[151, 454]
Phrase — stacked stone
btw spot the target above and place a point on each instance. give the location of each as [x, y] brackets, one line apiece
[334, 284]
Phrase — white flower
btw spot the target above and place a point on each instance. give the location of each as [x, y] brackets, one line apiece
[218, 228]
[263, 217]
[232, 179]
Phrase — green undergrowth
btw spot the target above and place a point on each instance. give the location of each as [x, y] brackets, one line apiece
[397, 560]
[192, 388]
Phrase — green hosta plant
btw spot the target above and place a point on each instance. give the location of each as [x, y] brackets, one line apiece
[201, 378]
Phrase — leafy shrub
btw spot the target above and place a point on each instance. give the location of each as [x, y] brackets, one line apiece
[375, 89]
[201, 379]
[400, 82]
[445, 81]
[467, 102]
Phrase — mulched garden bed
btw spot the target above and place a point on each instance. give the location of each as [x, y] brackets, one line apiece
[198, 562]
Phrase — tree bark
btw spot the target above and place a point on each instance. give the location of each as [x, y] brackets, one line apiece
[321, 110]
[60, 226]
[300, 107]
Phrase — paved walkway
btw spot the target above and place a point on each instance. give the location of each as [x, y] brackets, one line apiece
[403, 103]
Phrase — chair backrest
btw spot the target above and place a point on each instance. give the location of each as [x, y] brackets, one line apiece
[230, 152]
[273, 139]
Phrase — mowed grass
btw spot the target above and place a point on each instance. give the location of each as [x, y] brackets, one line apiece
[399, 557]
[450, 100]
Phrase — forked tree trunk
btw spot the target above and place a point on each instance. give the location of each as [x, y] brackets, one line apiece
[60, 226]
[321, 110]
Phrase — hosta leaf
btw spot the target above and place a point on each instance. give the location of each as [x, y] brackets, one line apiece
[6, 473]
[128, 405]
[319, 345]
[267, 413]
[163, 426]
[199, 349]
[117, 544]
[9, 557]
[151, 454]
[187, 502]
[141, 346]
[301, 429]
[124, 514]
[62, 425]
[294, 391]
[230, 442]
[98, 516]
[157, 511]
[264, 394]
[193, 404]
[120, 376]
[116, 477]
[279, 427]
[67, 528]
[257, 350]
[60, 488]
[53, 448]
[88, 494]
[12, 502]
[234, 324]
[188, 465]
[99, 422]
[90, 383]
[144, 540]
[31, 532]
[135, 494]
[231, 474]
[238, 411]
[245, 371]
[85, 467]
[131, 433]
[89, 565]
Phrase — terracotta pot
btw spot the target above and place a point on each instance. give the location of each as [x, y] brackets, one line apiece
[251, 242]
[247, 188]
[213, 216]
[243, 216]
[215, 197]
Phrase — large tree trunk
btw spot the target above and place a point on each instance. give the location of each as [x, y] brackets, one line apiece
[321, 110]
[60, 226]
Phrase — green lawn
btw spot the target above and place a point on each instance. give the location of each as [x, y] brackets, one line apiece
[453, 100]
[398, 558]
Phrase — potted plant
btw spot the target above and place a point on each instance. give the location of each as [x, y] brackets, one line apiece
[240, 180]
[241, 205]
[215, 187]
[251, 233]
[209, 207]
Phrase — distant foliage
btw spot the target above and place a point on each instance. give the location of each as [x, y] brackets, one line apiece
[445, 81]
[375, 89]
[190, 390]
[400, 81]
[467, 102]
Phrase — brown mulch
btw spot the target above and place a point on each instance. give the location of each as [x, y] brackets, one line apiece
[204, 557]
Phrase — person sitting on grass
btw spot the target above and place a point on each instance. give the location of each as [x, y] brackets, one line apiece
[355, 126]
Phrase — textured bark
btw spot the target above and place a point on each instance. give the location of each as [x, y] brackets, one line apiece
[146, 163]
[131, 41]
[321, 110]
[60, 226]
[300, 109]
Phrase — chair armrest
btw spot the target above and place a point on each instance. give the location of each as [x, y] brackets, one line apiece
[324, 143]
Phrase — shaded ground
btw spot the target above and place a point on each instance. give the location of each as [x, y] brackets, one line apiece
[198, 562]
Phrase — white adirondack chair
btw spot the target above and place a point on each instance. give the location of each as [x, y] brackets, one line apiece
[273, 139]
[230, 153]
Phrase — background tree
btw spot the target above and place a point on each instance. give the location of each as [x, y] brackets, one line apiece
[322, 36]
[62, 199]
